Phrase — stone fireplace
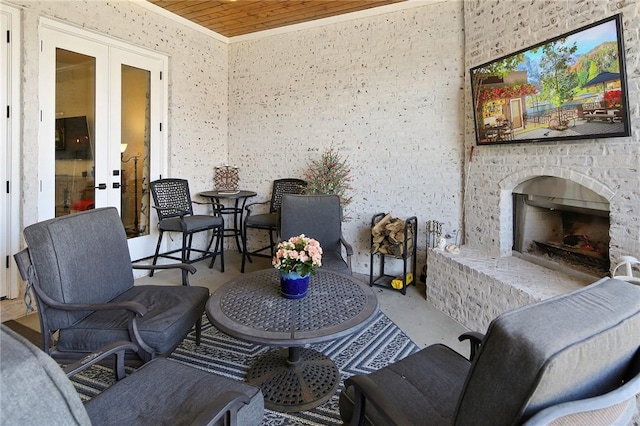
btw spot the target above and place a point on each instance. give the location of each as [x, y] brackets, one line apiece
[540, 232]
[490, 275]
[562, 225]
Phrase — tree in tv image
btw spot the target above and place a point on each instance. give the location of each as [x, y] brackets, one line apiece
[571, 87]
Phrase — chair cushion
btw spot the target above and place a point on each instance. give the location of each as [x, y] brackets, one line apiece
[172, 311]
[557, 350]
[264, 221]
[425, 385]
[333, 260]
[35, 391]
[75, 255]
[166, 392]
[191, 223]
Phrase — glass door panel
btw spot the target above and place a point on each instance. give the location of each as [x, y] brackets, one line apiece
[75, 90]
[135, 149]
[103, 103]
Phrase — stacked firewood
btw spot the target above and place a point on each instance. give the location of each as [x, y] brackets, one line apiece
[389, 237]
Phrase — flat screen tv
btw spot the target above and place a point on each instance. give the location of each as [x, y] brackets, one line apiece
[72, 139]
[571, 87]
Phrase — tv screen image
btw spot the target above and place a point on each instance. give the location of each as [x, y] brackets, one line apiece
[571, 87]
[72, 139]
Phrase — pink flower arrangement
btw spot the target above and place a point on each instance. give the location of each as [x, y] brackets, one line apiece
[298, 254]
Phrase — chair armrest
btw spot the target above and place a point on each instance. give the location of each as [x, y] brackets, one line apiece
[212, 203]
[256, 203]
[217, 207]
[348, 248]
[248, 207]
[117, 349]
[135, 307]
[475, 340]
[138, 309]
[186, 269]
[596, 409]
[366, 390]
[225, 407]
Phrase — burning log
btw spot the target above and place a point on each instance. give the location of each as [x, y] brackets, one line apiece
[389, 237]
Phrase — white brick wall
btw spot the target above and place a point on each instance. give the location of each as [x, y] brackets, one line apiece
[484, 280]
[385, 90]
[610, 167]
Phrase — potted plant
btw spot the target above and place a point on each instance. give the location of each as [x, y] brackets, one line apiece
[330, 175]
[297, 258]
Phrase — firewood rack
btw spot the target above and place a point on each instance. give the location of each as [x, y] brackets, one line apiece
[408, 254]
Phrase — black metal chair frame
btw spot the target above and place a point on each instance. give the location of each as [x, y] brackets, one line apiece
[172, 200]
[280, 187]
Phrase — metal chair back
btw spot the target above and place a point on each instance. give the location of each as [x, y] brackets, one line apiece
[171, 198]
[282, 187]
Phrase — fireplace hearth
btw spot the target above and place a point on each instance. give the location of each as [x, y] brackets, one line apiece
[561, 224]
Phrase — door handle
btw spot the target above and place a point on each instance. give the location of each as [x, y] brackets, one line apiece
[116, 185]
[101, 186]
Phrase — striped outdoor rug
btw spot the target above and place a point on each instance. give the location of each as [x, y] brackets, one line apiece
[381, 343]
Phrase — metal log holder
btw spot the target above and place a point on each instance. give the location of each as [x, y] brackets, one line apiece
[408, 254]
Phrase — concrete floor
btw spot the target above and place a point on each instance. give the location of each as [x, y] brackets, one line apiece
[424, 324]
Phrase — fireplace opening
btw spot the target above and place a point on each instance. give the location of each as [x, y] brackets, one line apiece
[563, 225]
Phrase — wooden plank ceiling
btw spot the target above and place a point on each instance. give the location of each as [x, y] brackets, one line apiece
[238, 17]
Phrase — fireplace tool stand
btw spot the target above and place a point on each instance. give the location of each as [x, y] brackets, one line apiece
[434, 233]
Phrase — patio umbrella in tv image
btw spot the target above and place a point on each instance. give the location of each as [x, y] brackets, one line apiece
[603, 78]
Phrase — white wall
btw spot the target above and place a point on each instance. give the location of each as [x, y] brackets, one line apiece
[386, 91]
[198, 86]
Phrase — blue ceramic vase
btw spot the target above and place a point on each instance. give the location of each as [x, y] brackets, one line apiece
[293, 285]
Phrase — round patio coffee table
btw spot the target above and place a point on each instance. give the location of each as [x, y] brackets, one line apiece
[297, 378]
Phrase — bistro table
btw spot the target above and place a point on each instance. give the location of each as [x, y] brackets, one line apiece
[297, 378]
[235, 210]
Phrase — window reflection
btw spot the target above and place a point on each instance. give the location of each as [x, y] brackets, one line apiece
[135, 139]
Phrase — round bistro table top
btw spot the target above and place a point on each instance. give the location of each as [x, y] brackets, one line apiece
[251, 308]
[227, 194]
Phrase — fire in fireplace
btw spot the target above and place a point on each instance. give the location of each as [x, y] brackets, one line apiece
[561, 224]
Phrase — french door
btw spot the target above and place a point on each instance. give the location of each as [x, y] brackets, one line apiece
[101, 143]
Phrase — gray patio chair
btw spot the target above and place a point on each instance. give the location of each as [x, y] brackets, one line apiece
[36, 391]
[318, 217]
[80, 271]
[574, 358]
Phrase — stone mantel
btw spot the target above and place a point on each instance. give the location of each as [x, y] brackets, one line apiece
[473, 288]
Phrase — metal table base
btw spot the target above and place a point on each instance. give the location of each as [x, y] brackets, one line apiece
[297, 379]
